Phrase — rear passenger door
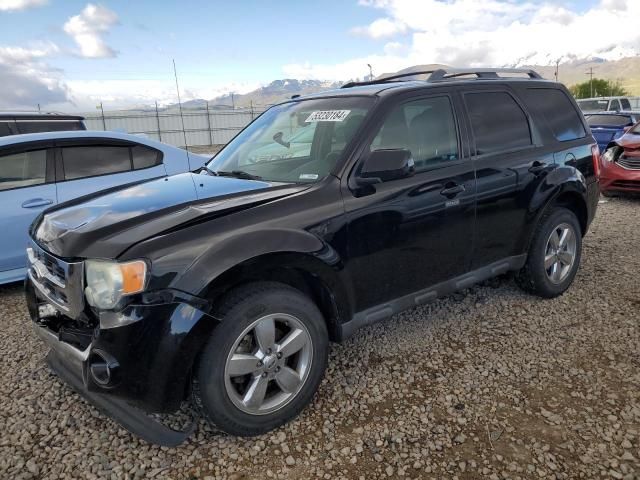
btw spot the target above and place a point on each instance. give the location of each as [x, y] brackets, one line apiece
[507, 160]
[26, 189]
[84, 168]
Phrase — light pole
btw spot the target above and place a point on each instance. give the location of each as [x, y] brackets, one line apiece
[370, 72]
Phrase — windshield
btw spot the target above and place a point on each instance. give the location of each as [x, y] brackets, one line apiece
[295, 142]
[609, 120]
[592, 105]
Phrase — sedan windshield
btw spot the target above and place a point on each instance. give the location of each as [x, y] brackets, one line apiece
[294, 142]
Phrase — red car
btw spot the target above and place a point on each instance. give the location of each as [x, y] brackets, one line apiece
[620, 164]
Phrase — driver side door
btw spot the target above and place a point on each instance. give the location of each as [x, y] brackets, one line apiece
[411, 233]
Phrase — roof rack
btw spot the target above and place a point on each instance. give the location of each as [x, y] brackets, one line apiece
[386, 79]
[443, 74]
[484, 73]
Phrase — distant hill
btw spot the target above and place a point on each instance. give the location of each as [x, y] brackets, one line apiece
[626, 71]
[276, 92]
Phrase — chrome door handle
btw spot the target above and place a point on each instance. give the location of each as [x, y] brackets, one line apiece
[37, 202]
[453, 190]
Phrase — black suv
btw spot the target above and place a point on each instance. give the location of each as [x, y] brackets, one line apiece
[23, 122]
[327, 213]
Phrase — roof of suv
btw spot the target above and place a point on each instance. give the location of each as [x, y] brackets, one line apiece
[38, 116]
[438, 78]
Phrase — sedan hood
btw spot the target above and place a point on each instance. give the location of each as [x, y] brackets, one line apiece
[105, 224]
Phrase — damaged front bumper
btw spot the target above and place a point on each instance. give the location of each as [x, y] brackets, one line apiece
[130, 370]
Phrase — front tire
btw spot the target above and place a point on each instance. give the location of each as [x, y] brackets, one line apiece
[264, 362]
[554, 255]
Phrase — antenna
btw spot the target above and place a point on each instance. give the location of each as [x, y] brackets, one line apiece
[184, 133]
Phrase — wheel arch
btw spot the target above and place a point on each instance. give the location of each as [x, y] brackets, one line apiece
[570, 194]
[302, 271]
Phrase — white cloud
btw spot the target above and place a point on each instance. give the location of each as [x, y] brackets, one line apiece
[27, 80]
[380, 28]
[87, 29]
[12, 5]
[488, 33]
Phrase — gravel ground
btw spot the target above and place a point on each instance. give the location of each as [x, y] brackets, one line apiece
[490, 384]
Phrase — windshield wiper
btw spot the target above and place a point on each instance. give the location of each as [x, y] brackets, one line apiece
[208, 170]
[237, 174]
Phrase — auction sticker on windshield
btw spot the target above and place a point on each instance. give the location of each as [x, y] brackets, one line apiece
[328, 116]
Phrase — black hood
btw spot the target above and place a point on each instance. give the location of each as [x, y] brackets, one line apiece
[105, 224]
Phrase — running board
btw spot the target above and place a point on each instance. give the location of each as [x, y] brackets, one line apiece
[131, 418]
[388, 309]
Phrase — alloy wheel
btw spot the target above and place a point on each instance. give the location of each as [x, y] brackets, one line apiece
[560, 254]
[268, 364]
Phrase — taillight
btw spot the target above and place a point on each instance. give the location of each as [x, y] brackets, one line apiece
[595, 154]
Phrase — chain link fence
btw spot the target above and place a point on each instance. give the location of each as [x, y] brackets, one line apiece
[206, 126]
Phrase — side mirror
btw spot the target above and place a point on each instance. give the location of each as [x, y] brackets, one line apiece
[278, 138]
[385, 165]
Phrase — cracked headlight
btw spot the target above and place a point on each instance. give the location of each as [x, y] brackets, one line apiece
[107, 282]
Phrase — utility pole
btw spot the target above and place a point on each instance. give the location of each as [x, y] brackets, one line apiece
[158, 121]
[39, 108]
[557, 68]
[233, 103]
[370, 72]
[104, 124]
[209, 124]
[590, 73]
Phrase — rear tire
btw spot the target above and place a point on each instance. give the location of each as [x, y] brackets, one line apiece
[264, 362]
[554, 255]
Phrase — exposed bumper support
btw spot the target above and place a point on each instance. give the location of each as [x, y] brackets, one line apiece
[69, 363]
[131, 418]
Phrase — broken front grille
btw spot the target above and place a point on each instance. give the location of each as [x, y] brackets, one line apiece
[59, 282]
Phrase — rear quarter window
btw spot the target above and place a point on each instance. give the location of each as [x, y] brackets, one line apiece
[558, 111]
[144, 157]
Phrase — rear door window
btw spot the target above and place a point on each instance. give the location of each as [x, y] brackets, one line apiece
[90, 161]
[498, 122]
[558, 111]
[626, 104]
[614, 106]
[23, 169]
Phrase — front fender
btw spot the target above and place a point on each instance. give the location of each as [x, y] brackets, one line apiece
[238, 249]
